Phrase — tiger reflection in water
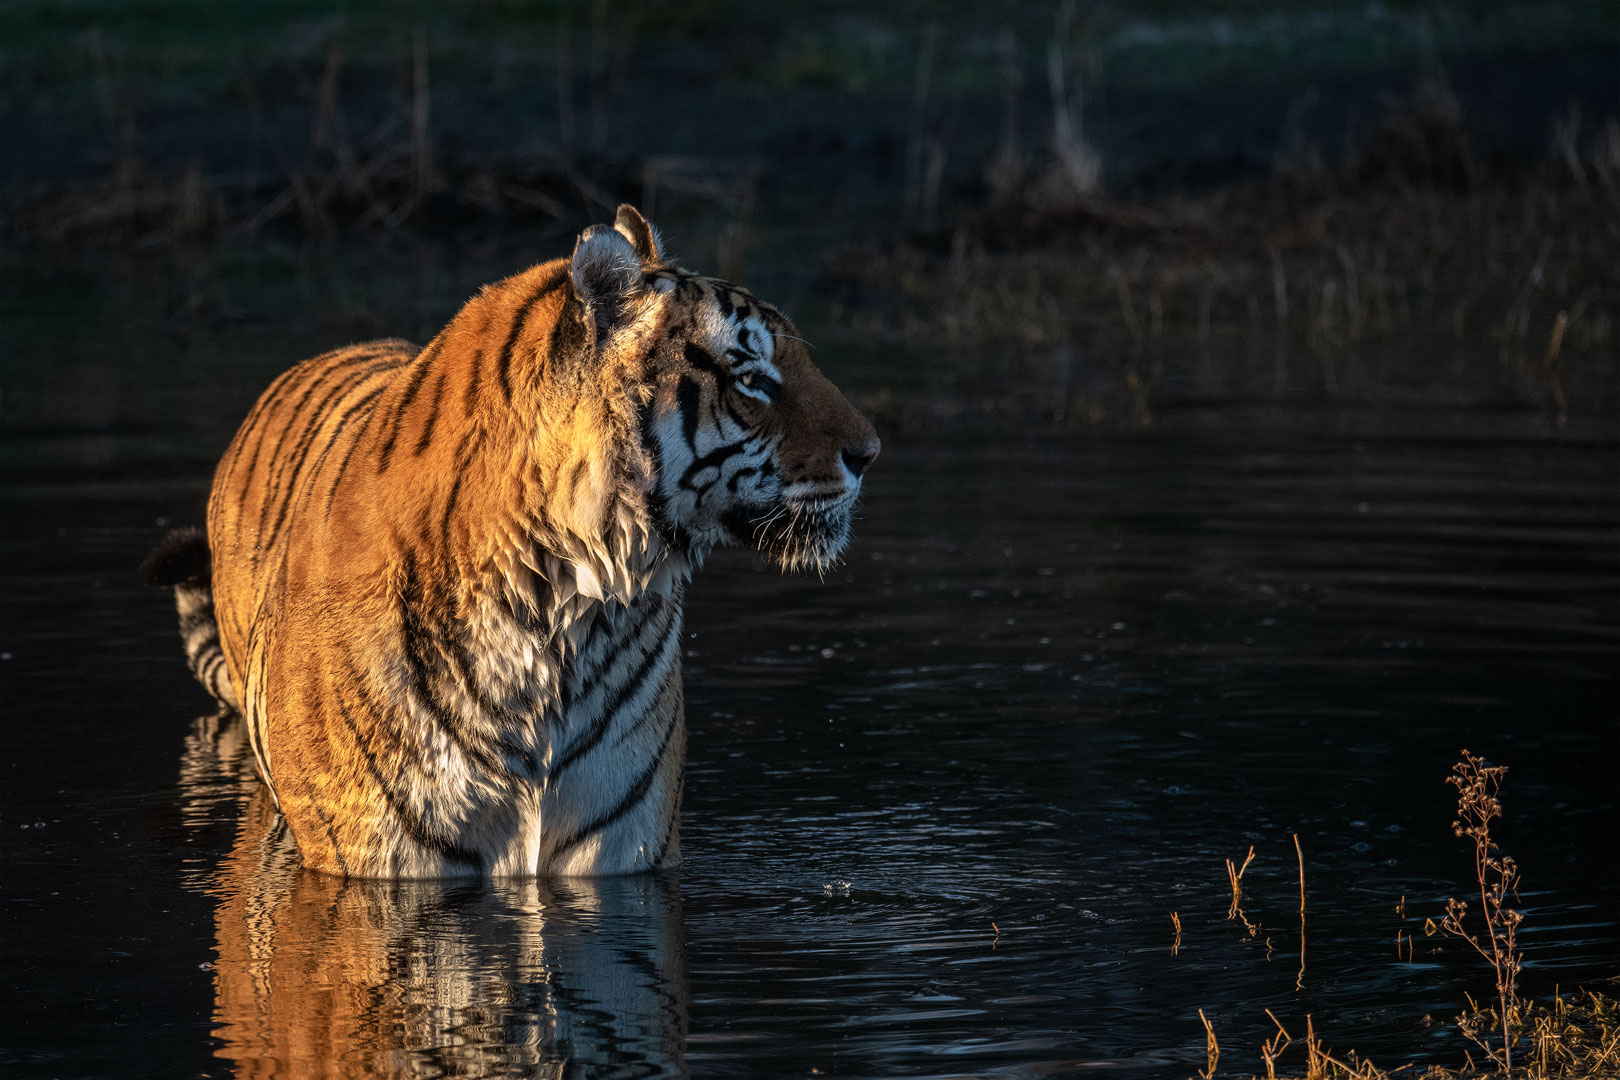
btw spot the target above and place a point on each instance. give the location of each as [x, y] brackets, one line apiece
[321, 976]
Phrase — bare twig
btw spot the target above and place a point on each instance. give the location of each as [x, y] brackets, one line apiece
[1497, 874]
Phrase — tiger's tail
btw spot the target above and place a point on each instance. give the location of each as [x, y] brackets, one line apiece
[182, 561]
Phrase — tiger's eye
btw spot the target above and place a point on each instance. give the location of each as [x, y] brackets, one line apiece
[746, 379]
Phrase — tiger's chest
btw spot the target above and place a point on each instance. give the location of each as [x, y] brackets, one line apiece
[609, 745]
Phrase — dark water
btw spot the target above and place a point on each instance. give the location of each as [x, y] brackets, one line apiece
[939, 809]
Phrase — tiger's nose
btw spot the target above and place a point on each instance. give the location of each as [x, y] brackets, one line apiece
[859, 456]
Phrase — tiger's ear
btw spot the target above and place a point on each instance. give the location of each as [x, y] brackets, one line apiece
[639, 231]
[606, 272]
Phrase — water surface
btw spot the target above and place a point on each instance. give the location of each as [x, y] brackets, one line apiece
[940, 807]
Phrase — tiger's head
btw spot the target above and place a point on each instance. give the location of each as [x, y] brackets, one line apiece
[749, 443]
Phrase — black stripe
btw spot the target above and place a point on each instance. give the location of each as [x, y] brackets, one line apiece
[646, 715]
[722, 298]
[469, 393]
[449, 508]
[338, 364]
[632, 798]
[703, 360]
[354, 444]
[350, 408]
[588, 681]
[669, 837]
[414, 826]
[638, 638]
[422, 365]
[503, 366]
[383, 713]
[271, 400]
[312, 420]
[576, 475]
[331, 834]
[416, 634]
[255, 716]
[432, 420]
[689, 399]
[470, 442]
[656, 503]
[289, 490]
[712, 460]
[462, 664]
[732, 401]
[627, 690]
[246, 436]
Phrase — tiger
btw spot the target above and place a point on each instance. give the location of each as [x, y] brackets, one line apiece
[444, 586]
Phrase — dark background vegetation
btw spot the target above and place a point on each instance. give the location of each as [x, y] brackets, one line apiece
[1066, 213]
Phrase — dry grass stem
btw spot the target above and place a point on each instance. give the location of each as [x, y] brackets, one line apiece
[1212, 1048]
[1275, 1045]
[1299, 982]
[1555, 344]
[1234, 874]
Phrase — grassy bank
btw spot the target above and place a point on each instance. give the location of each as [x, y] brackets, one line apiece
[1413, 271]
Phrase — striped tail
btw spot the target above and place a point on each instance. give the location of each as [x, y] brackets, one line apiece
[183, 562]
